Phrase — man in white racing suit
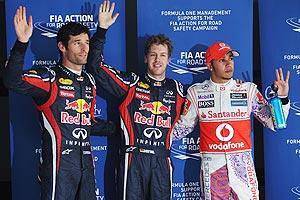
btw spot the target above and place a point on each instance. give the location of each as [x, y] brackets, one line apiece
[222, 107]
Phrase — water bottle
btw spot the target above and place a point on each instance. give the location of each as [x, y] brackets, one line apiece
[276, 108]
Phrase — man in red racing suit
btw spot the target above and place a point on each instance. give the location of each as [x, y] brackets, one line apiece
[66, 98]
[150, 105]
[222, 107]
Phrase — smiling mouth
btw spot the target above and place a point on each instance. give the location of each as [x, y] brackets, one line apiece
[157, 65]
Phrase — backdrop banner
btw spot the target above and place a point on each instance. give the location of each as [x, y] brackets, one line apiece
[193, 26]
[279, 41]
[48, 17]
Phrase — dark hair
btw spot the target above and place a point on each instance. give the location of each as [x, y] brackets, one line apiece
[71, 28]
[158, 39]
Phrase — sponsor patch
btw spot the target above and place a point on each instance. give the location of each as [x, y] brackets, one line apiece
[80, 105]
[157, 83]
[66, 94]
[65, 81]
[80, 78]
[143, 85]
[33, 72]
[159, 122]
[141, 96]
[206, 104]
[66, 87]
[260, 98]
[205, 96]
[238, 95]
[155, 107]
[205, 87]
[169, 101]
[186, 106]
[143, 90]
[239, 103]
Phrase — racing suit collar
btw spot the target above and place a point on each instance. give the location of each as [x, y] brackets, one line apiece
[71, 73]
[154, 82]
[222, 86]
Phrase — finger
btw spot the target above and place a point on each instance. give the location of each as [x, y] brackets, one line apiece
[23, 13]
[281, 74]
[112, 8]
[114, 18]
[107, 6]
[20, 14]
[16, 17]
[30, 21]
[101, 8]
[277, 75]
[104, 6]
[287, 77]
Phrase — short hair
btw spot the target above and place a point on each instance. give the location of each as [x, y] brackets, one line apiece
[158, 39]
[71, 28]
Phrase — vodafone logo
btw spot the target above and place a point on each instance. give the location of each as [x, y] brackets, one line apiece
[224, 128]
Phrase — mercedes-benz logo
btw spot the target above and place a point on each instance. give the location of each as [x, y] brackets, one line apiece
[77, 132]
[149, 132]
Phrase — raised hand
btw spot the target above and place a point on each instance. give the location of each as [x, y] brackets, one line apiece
[283, 85]
[106, 17]
[22, 27]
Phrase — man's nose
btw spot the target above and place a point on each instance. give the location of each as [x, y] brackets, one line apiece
[85, 47]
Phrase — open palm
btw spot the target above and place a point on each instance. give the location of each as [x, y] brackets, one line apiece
[281, 83]
[22, 27]
[106, 17]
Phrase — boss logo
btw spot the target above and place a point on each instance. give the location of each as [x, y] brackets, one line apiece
[206, 104]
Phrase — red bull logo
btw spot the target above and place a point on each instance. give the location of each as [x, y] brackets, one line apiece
[80, 105]
[155, 107]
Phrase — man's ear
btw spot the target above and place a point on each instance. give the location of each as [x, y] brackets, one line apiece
[61, 47]
[145, 59]
[209, 66]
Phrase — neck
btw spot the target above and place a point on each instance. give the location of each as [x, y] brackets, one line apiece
[157, 78]
[222, 82]
[72, 66]
[219, 80]
[74, 70]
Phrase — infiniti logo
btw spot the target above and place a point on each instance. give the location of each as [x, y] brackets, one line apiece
[148, 132]
[77, 132]
[169, 92]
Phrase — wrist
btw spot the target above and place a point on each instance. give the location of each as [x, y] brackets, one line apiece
[284, 100]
